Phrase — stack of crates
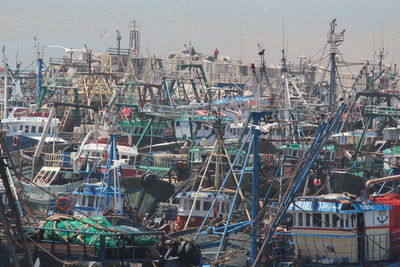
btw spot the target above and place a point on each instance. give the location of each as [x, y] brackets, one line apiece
[394, 201]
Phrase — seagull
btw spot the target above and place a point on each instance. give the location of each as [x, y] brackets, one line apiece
[118, 163]
[66, 49]
[104, 33]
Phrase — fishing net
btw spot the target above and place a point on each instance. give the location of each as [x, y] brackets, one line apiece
[89, 232]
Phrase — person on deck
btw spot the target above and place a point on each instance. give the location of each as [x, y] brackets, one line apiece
[216, 53]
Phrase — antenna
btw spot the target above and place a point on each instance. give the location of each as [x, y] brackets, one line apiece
[283, 32]
[16, 56]
[283, 60]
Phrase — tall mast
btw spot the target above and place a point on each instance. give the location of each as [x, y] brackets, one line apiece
[119, 37]
[39, 76]
[134, 37]
[5, 89]
[334, 40]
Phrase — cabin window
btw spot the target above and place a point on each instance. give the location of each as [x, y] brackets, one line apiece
[124, 157]
[206, 205]
[346, 221]
[300, 219]
[111, 202]
[294, 219]
[20, 127]
[227, 205]
[190, 204]
[327, 220]
[185, 204]
[27, 128]
[79, 200]
[216, 206]
[132, 160]
[223, 207]
[353, 220]
[33, 129]
[90, 201]
[308, 219]
[317, 219]
[40, 129]
[335, 219]
[341, 221]
[178, 124]
[197, 204]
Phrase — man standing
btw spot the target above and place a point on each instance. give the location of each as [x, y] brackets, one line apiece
[216, 53]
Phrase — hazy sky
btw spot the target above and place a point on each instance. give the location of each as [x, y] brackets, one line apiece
[234, 26]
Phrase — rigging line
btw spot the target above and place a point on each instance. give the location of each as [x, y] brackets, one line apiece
[345, 63]
[50, 254]
[322, 48]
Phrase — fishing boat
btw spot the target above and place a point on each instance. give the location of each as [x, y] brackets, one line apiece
[105, 196]
[336, 229]
[25, 128]
[202, 203]
[55, 177]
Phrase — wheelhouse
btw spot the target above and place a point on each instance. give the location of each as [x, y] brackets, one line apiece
[339, 230]
[95, 154]
[196, 205]
[95, 199]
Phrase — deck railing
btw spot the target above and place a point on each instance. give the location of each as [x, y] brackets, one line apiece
[129, 247]
[336, 249]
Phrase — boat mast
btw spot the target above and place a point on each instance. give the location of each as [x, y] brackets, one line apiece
[39, 76]
[5, 89]
[334, 40]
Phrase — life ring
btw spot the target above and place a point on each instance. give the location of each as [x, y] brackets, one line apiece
[169, 133]
[268, 159]
[63, 203]
[15, 142]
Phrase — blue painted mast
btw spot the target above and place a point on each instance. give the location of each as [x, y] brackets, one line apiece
[256, 181]
[111, 175]
[39, 76]
[40, 91]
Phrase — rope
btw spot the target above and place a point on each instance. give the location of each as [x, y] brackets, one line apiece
[51, 255]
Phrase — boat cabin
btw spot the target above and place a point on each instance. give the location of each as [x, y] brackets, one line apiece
[97, 199]
[21, 123]
[199, 203]
[94, 153]
[334, 229]
[26, 129]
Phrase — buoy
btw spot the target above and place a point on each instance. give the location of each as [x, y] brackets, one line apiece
[169, 133]
[317, 182]
[63, 203]
[268, 159]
